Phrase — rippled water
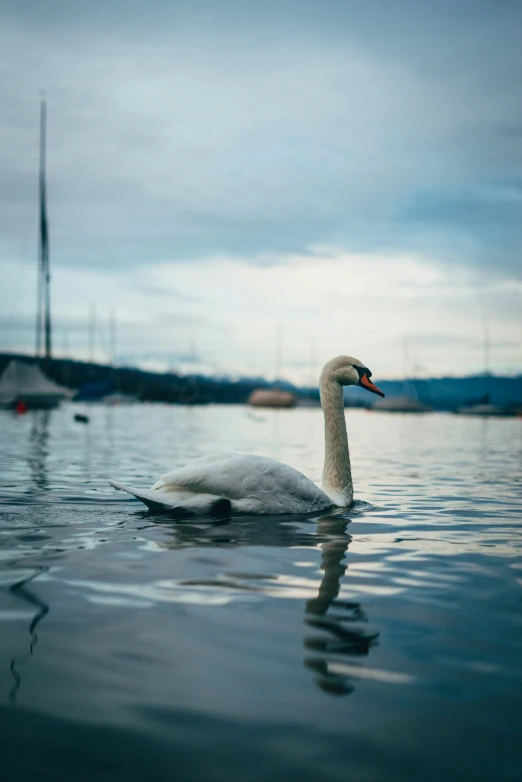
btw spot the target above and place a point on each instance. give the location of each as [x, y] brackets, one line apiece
[380, 644]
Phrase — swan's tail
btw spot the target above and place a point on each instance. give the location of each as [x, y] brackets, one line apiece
[178, 502]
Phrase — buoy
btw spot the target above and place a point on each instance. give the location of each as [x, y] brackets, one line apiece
[21, 407]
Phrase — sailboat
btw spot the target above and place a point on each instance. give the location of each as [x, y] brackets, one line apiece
[483, 406]
[408, 401]
[24, 384]
[401, 404]
[273, 397]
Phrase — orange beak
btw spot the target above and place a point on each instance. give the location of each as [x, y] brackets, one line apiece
[365, 382]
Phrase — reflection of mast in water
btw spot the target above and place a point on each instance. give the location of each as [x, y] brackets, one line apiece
[36, 459]
[38, 452]
[21, 591]
[340, 632]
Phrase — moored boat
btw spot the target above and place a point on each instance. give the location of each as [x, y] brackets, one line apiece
[271, 397]
[25, 383]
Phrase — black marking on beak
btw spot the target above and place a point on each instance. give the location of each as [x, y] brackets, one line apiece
[365, 382]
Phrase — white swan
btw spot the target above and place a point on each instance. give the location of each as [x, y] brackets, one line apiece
[247, 484]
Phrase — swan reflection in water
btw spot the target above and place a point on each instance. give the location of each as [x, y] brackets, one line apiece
[337, 622]
[336, 629]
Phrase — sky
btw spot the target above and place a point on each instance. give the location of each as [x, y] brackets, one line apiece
[334, 177]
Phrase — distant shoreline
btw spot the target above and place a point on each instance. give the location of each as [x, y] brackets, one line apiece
[445, 393]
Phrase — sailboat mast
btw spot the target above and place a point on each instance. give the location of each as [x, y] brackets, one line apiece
[44, 281]
[92, 334]
[39, 296]
[486, 358]
[40, 283]
[112, 338]
[279, 352]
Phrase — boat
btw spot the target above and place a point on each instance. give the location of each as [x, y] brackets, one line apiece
[95, 391]
[484, 410]
[271, 397]
[482, 407]
[117, 398]
[104, 392]
[24, 383]
[401, 404]
[408, 401]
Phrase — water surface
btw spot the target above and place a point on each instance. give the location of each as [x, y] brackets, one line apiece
[379, 644]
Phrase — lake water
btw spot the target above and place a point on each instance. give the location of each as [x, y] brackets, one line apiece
[380, 644]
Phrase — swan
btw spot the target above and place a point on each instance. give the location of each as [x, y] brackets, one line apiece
[223, 483]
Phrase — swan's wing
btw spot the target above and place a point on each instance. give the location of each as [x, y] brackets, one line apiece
[207, 459]
[154, 500]
[173, 498]
[244, 476]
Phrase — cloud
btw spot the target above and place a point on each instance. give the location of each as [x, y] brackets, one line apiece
[350, 170]
[157, 289]
[326, 303]
[185, 132]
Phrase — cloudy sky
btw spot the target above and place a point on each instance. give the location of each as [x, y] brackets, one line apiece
[346, 172]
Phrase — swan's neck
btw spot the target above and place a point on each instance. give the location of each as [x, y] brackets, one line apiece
[337, 475]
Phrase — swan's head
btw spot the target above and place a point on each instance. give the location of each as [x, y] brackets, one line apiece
[349, 371]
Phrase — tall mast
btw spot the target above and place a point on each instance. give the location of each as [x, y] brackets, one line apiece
[112, 338]
[487, 372]
[92, 334]
[43, 321]
[279, 352]
[39, 295]
[40, 287]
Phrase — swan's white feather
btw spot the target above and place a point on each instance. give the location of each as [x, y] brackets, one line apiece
[169, 498]
[252, 484]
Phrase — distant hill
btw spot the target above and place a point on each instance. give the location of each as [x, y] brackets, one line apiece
[450, 392]
[447, 393]
[444, 393]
